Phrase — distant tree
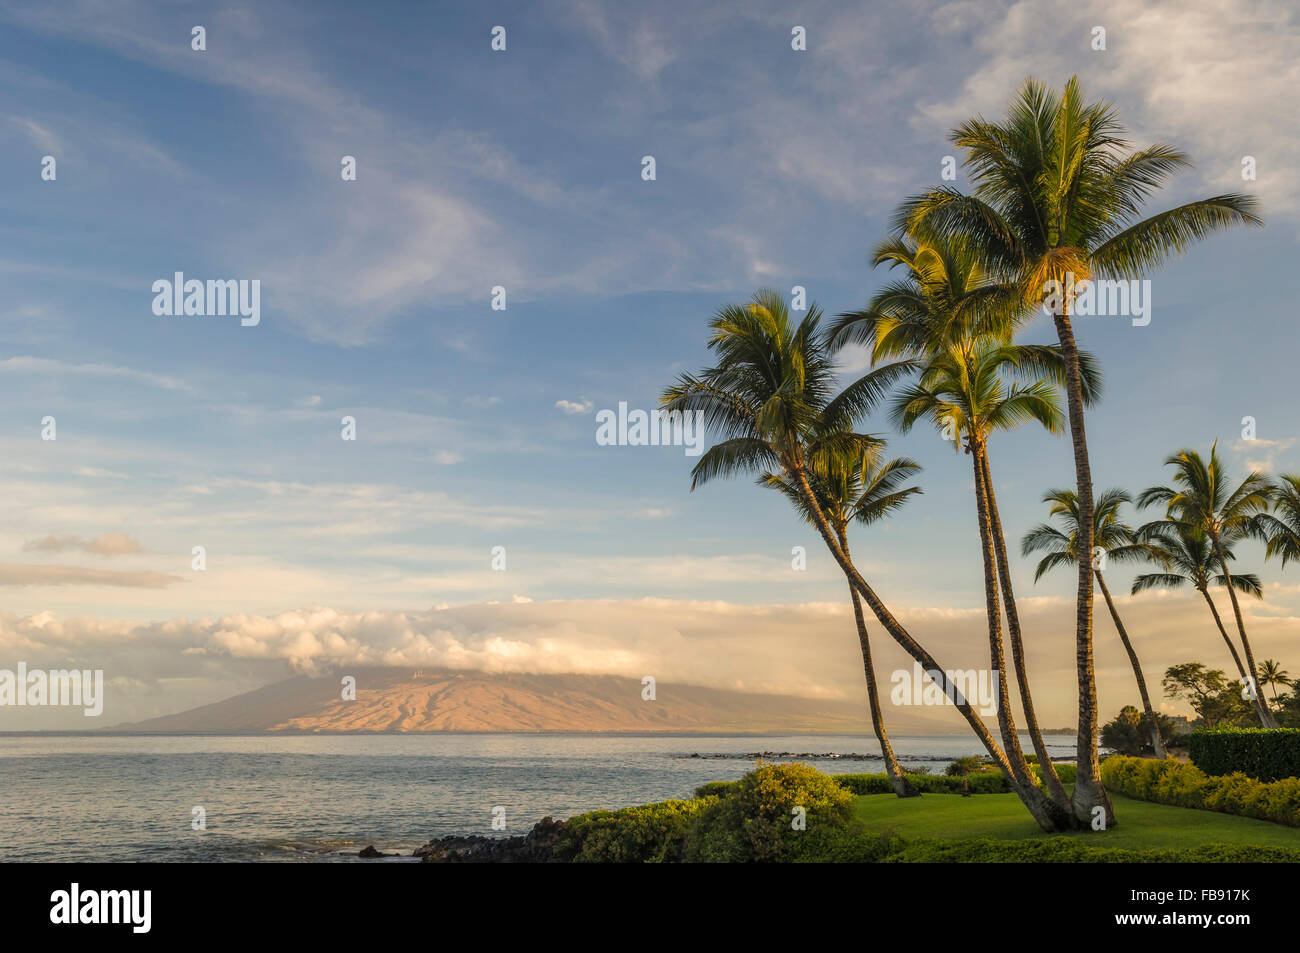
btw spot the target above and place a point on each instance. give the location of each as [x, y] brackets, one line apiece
[1184, 555]
[1116, 540]
[964, 766]
[1272, 673]
[1215, 699]
[1131, 732]
[1288, 708]
[1202, 496]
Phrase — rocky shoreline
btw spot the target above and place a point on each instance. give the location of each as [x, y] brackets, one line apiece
[538, 846]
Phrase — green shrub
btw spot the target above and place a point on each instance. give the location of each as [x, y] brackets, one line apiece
[1064, 850]
[1186, 785]
[754, 821]
[1065, 772]
[650, 833]
[1264, 755]
[962, 766]
[716, 788]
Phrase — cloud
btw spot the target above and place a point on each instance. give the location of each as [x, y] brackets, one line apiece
[447, 457]
[17, 574]
[47, 367]
[639, 46]
[41, 136]
[653, 513]
[1209, 77]
[1261, 454]
[110, 544]
[808, 649]
[575, 407]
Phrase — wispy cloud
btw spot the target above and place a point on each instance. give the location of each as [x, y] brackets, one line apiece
[18, 574]
[110, 544]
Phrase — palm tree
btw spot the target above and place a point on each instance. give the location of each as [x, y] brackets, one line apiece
[862, 490]
[1200, 496]
[1272, 673]
[1185, 555]
[1058, 198]
[1115, 540]
[943, 311]
[1280, 530]
[770, 400]
[968, 393]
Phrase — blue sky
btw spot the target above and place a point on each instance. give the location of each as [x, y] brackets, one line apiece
[522, 169]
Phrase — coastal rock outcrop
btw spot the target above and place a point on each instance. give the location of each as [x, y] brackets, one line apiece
[538, 846]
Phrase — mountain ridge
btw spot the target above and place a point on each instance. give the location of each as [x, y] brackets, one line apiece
[391, 700]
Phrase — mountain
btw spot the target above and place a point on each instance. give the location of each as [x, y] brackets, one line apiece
[401, 700]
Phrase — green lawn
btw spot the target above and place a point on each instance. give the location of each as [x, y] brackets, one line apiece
[1139, 824]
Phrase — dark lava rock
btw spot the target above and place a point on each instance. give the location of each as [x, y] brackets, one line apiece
[370, 851]
[538, 846]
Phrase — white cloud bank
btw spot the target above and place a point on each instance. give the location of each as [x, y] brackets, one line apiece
[807, 649]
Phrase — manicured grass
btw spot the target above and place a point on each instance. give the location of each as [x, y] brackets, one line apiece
[1139, 824]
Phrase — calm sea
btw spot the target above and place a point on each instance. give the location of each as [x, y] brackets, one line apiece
[321, 798]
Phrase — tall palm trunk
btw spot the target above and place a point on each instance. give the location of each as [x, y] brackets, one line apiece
[1044, 811]
[997, 657]
[1214, 610]
[1157, 743]
[1050, 778]
[1089, 792]
[1266, 717]
[902, 787]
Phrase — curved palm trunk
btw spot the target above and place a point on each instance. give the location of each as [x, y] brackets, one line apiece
[997, 657]
[1054, 786]
[1266, 717]
[1045, 812]
[897, 779]
[1157, 743]
[1214, 610]
[1089, 792]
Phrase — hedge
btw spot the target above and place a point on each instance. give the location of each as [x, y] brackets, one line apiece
[1186, 785]
[1266, 755]
[1063, 850]
[985, 782]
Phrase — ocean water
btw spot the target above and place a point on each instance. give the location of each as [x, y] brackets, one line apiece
[321, 798]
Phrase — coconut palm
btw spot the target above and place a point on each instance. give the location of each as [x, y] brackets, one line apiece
[863, 490]
[942, 311]
[1280, 529]
[944, 299]
[1058, 199]
[968, 392]
[1185, 555]
[1113, 541]
[770, 401]
[1201, 496]
[1272, 673]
